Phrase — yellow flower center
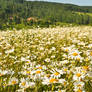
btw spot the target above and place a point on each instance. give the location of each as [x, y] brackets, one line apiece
[14, 82]
[78, 74]
[28, 72]
[37, 72]
[59, 91]
[79, 90]
[56, 73]
[66, 50]
[53, 80]
[1, 74]
[79, 85]
[40, 67]
[86, 59]
[75, 54]
[90, 53]
[28, 62]
[23, 83]
[65, 83]
[85, 67]
[4, 84]
[65, 69]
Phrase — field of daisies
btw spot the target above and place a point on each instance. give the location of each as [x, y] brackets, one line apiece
[46, 60]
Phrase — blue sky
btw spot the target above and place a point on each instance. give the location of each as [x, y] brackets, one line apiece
[77, 2]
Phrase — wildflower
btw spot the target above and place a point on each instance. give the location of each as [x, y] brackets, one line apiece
[47, 81]
[47, 60]
[79, 85]
[56, 73]
[25, 83]
[9, 51]
[78, 74]
[74, 54]
[41, 67]
[13, 81]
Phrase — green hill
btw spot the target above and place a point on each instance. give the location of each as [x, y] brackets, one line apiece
[13, 12]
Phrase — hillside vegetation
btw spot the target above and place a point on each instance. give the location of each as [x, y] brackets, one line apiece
[44, 14]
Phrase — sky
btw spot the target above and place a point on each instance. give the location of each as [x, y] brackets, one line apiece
[77, 2]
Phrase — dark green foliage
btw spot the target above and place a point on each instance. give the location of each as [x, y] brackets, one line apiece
[44, 14]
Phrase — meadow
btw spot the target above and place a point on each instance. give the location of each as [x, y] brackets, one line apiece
[46, 60]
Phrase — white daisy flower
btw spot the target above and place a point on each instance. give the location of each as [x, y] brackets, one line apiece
[13, 81]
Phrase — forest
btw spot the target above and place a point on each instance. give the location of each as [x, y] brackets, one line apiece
[21, 13]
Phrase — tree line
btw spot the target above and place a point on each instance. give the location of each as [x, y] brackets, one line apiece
[33, 13]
